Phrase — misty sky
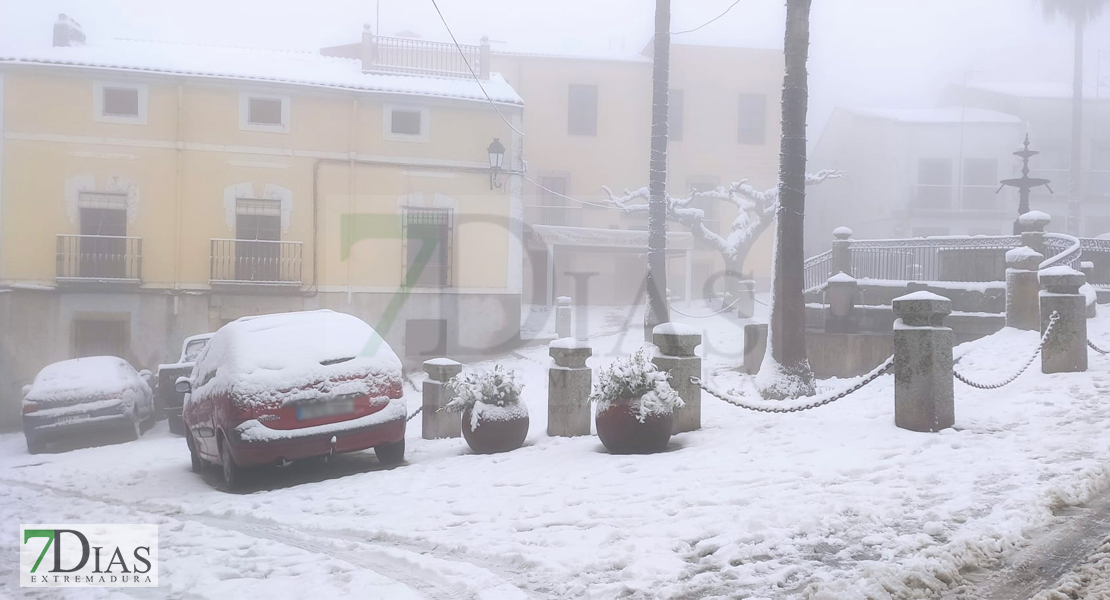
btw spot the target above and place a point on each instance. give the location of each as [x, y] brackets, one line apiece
[873, 53]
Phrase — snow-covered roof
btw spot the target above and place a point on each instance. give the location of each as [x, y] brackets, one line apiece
[945, 115]
[1041, 89]
[253, 64]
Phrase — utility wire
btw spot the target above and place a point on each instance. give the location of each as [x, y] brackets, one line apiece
[707, 22]
[472, 73]
[564, 196]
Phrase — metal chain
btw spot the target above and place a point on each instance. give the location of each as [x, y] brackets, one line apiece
[1096, 348]
[994, 386]
[712, 314]
[872, 376]
[413, 415]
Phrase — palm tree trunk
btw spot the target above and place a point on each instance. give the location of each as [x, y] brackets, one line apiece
[791, 374]
[657, 311]
[1075, 188]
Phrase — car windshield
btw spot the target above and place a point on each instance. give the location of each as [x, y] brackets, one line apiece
[192, 350]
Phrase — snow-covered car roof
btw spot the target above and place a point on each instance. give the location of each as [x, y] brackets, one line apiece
[273, 357]
[83, 377]
[254, 64]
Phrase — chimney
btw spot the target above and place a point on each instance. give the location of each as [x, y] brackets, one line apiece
[67, 32]
[369, 49]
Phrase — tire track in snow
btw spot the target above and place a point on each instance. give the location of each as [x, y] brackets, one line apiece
[1041, 565]
[436, 577]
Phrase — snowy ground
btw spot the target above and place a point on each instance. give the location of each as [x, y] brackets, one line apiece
[830, 503]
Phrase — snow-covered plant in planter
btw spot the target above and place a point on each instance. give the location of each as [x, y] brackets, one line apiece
[493, 417]
[634, 406]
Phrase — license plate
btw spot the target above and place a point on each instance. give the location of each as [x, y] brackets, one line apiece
[71, 418]
[328, 408]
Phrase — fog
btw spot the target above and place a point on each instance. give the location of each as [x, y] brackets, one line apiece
[893, 53]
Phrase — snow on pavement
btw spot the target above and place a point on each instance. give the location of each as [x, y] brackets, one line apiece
[830, 503]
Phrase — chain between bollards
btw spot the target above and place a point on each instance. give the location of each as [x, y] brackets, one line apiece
[712, 314]
[1092, 346]
[872, 376]
[994, 386]
[414, 413]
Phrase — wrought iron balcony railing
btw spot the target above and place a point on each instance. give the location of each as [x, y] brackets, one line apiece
[106, 258]
[255, 262]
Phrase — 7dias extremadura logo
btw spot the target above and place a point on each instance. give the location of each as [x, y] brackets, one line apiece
[88, 555]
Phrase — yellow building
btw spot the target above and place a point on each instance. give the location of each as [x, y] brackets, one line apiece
[588, 125]
[153, 191]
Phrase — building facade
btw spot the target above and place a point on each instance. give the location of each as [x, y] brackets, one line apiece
[154, 191]
[915, 173]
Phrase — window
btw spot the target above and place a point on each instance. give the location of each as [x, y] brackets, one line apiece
[708, 205]
[264, 112]
[100, 337]
[753, 119]
[934, 183]
[257, 240]
[582, 110]
[674, 115]
[980, 181]
[428, 234]
[405, 123]
[102, 252]
[553, 206]
[120, 103]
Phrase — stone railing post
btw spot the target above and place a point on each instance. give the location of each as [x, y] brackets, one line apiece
[745, 304]
[676, 343]
[842, 251]
[1022, 288]
[1065, 350]
[484, 58]
[840, 293]
[923, 394]
[568, 388]
[436, 424]
[1032, 226]
[563, 314]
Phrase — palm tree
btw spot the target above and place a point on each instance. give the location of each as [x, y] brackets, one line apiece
[786, 372]
[1079, 12]
[657, 311]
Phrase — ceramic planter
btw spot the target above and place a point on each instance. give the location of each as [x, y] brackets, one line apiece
[495, 428]
[623, 433]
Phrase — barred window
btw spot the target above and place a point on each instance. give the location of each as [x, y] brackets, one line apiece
[428, 235]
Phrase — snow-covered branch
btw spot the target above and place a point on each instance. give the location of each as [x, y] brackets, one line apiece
[756, 211]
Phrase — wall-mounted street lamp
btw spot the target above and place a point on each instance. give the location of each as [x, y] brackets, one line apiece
[496, 160]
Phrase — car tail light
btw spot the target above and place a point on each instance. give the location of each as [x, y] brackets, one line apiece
[29, 407]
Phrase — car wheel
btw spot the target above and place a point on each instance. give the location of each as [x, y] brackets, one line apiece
[197, 463]
[133, 430]
[391, 454]
[35, 446]
[233, 473]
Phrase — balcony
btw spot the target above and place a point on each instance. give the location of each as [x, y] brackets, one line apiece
[255, 263]
[422, 57]
[99, 259]
[539, 214]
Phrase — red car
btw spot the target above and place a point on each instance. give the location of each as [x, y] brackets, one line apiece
[278, 388]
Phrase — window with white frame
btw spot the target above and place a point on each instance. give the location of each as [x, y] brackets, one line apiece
[264, 112]
[120, 103]
[405, 123]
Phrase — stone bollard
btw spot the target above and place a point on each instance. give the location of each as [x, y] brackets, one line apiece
[745, 304]
[840, 293]
[568, 388]
[842, 251]
[437, 424]
[676, 343]
[1065, 350]
[923, 363]
[1023, 303]
[1087, 268]
[563, 314]
[1032, 225]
